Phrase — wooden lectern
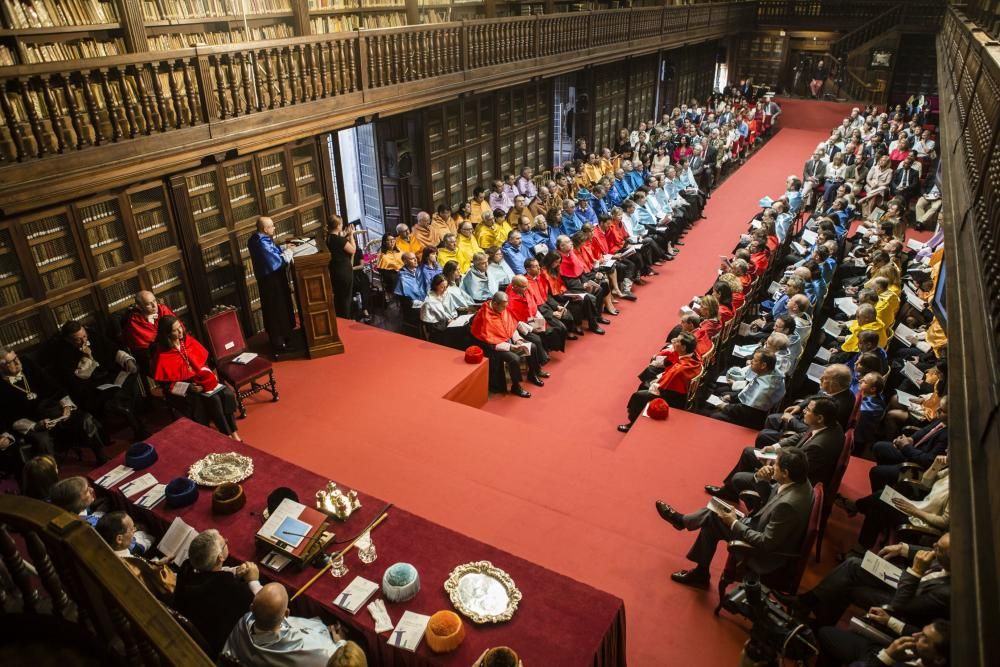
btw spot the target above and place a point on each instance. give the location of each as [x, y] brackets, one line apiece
[314, 292]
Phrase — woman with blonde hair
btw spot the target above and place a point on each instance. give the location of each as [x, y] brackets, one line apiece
[348, 655]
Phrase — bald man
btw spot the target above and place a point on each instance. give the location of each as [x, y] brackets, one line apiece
[523, 305]
[270, 268]
[267, 636]
[835, 383]
[139, 327]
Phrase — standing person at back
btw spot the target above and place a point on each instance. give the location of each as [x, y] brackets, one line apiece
[270, 268]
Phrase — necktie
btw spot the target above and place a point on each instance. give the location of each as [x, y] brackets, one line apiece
[938, 427]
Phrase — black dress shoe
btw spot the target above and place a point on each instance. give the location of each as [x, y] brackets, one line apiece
[535, 380]
[544, 374]
[695, 578]
[572, 336]
[624, 428]
[597, 330]
[628, 296]
[719, 492]
[518, 391]
[670, 515]
[603, 320]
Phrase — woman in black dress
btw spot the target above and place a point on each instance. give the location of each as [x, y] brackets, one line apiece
[341, 244]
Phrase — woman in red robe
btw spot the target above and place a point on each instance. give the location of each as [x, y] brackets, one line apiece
[583, 306]
[578, 274]
[179, 358]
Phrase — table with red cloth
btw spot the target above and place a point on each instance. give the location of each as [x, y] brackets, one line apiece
[559, 620]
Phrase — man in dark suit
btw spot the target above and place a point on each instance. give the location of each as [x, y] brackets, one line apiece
[101, 376]
[922, 595]
[214, 597]
[777, 527]
[906, 180]
[930, 645]
[835, 382]
[41, 411]
[812, 177]
[822, 443]
[920, 448]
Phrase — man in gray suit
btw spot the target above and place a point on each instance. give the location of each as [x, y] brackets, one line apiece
[777, 527]
[822, 443]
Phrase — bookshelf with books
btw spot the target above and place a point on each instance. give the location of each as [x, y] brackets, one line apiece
[443, 11]
[326, 16]
[40, 31]
[13, 286]
[110, 246]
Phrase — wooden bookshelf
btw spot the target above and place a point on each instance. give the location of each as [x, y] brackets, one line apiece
[85, 260]
[218, 207]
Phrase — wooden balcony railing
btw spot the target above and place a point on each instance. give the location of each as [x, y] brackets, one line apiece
[843, 14]
[73, 107]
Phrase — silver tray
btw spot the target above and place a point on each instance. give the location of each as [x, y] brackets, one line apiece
[216, 469]
[483, 592]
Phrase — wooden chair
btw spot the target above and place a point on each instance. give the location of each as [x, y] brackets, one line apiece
[225, 342]
[834, 486]
[785, 579]
[692, 394]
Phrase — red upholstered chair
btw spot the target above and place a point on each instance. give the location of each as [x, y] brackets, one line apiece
[225, 341]
[833, 487]
[785, 579]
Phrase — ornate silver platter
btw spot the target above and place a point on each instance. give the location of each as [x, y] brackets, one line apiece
[483, 592]
[216, 469]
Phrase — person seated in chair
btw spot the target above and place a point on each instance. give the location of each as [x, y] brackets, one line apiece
[776, 527]
[101, 378]
[211, 595]
[822, 442]
[267, 635]
[920, 448]
[681, 365]
[835, 382]
[764, 389]
[497, 332]
[409, 284]
[180, 365]
[139, 327]
[40, 411]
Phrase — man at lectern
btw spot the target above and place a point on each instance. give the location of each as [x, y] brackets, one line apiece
[270, 266]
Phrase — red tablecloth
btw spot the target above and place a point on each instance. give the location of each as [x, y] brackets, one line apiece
[559, 621]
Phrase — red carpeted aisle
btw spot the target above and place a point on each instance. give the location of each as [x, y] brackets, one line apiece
[550, 479]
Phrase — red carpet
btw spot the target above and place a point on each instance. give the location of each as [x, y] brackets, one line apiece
[550, 479]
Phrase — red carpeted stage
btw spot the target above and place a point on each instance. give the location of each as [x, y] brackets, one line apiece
[550, 479]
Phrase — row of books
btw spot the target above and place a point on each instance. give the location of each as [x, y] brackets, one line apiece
[6, 57]
[21, 333]
[166, 10]
[328, 24]
[185, 40]
[53, 13]
[99, 212]
[32, 52]
[12, 294]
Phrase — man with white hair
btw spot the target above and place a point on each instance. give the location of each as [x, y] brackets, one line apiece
[496, 331]
[406, 242]
[210, 594]
[270, 267]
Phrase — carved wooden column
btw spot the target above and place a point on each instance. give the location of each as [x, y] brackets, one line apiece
[300, 18]
[133, 26]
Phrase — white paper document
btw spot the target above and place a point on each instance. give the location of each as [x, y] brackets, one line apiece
[799, 248]
[176, 540]
[717, 506]
[765, 456]
[823, 354]
[889, 494]
[138, 485]
[833, 327]
[881, 569]
[913, 299]
[739, 385]
[905, 334]
[815, 372]
[180, 388]
[913, 374]
[244, 358]
[357, 593]
[461, 320]
[773, 288]
[722, 379]
[906, 400]
[745, 351]
[714, 400]
[113, 476]
[153, 497]
[809, 236]
[914, 244]
[380, 615]
[846, 305]
[410, 631]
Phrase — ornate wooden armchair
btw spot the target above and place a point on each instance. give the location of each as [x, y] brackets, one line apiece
[93, 609]
[226, 342]
[785, 579]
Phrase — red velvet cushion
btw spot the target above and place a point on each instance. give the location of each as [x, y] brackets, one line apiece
[240, 374]
[225, 337]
